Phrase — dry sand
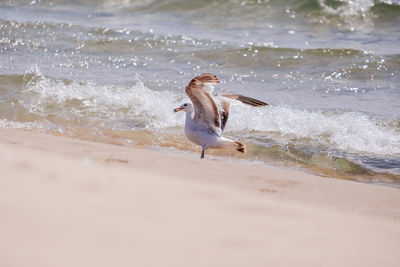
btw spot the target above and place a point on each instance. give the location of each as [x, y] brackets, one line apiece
[68, 202]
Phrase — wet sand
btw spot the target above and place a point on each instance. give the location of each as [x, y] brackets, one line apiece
[70, 202]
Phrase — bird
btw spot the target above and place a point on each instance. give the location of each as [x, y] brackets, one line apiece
[207, 115]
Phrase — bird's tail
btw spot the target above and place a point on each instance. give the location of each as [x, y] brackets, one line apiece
[240, 147]
[227, 143]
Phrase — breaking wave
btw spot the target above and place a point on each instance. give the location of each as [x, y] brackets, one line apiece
[138, 107]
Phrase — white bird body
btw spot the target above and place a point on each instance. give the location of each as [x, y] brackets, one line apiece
[202, 137]
[205, 121]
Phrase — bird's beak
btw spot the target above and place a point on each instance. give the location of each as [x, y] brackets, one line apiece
[177, 109]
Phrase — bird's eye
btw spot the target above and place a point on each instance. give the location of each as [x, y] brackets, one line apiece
[185, 105]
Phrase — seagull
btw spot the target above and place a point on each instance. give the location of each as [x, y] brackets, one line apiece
[207, 115]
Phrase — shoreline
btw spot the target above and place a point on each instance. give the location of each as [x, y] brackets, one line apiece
[71, 202]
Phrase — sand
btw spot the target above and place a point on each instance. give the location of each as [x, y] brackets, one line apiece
[70, 202]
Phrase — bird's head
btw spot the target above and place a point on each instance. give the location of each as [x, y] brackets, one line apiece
[187, 107]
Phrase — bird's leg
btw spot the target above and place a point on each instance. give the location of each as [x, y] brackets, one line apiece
[202, 151]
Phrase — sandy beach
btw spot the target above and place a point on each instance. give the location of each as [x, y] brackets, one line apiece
[97, 170]
[70, 202]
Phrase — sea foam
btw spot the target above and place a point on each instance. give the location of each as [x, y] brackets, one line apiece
[344, 130]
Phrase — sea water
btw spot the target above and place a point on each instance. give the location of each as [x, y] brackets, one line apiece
[115, 70]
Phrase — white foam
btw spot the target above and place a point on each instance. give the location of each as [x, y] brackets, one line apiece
[349, 7]
[355, 15]
[4, 123]
[152, 108]
[349, 131]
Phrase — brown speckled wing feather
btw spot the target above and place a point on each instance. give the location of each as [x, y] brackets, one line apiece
[247, 100]
[206, 111]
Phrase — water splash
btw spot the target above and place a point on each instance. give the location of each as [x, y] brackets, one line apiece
[70, 99]
[348, 131]
[347, 8]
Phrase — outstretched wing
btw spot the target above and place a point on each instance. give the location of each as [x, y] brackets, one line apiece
[225, 102]
[206, 112]
[247, 100]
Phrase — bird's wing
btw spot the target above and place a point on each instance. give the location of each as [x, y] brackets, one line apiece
[225, 101]
[224, 105]
[246, 100]
[206, 114]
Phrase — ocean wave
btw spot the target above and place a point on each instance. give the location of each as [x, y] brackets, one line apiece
[138, 107]
[347, 131]
[340, 7]
[135, 105]
[347, 7]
